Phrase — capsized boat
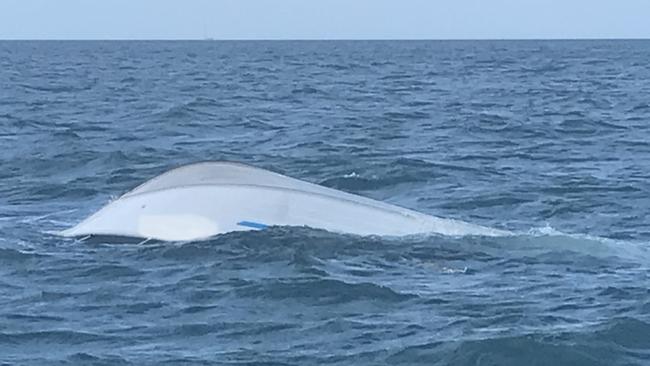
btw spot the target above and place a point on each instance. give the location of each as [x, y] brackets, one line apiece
[204, 199]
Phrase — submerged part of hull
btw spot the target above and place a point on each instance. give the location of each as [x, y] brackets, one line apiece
[205, 199]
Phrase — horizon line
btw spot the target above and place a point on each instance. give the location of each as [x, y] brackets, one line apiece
[209, 39]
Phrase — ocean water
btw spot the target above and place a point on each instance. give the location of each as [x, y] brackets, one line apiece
[548, 139]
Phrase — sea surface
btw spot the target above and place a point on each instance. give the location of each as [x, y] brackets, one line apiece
[547, 139]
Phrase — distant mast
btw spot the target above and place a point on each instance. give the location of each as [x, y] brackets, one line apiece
[205, 33]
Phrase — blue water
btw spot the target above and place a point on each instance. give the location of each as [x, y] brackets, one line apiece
[548, 139]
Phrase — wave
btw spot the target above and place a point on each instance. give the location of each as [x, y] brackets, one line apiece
[287, 243]
[110, 271]
[60, 88]
[15, 255]
[323, 291]
[83, 358]
[582, 347]
[62, 337]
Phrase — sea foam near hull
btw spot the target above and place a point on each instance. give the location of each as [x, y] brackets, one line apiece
[205, 199]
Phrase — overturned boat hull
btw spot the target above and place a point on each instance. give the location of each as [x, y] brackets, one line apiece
[205, 199]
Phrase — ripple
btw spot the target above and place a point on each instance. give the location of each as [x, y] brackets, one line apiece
[60, 337]
[323, 291]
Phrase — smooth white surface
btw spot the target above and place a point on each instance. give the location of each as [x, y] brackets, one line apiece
[205, 199]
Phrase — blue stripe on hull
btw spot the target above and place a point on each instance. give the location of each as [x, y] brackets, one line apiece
[252, 224]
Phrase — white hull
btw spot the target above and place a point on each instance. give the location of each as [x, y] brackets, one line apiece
[206, 199]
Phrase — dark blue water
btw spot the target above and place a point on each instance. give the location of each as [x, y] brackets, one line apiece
[549, 139]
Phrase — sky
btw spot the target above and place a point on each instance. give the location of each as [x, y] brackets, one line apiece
[324, 19]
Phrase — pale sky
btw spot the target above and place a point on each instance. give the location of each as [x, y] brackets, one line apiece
[323, 19]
